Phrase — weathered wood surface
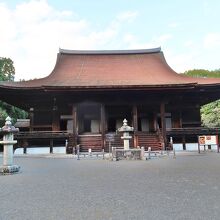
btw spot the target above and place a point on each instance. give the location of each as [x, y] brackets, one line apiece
[149, 140]
[93, 142]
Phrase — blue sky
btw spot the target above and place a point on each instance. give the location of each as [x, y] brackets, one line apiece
[32, 31]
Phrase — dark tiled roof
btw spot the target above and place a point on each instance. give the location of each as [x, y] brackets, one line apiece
[111, 69]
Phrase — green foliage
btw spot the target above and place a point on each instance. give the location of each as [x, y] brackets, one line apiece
[7, 73]
[12, 111]
[210, 113]
[203, 73]
[7, 70]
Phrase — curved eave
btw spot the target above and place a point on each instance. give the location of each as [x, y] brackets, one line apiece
[112, 87]
[108, 87]
[118, 87]
[19, 88]
[209, 85]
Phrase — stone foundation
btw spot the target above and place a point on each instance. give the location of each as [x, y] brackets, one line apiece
[9, 169]
[131, 154]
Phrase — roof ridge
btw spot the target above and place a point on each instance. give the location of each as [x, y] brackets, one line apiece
[133, 51]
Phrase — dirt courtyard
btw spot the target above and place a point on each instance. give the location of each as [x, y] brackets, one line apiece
[48, 187]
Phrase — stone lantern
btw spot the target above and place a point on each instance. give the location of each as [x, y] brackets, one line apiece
[8, 141]
[126, 137]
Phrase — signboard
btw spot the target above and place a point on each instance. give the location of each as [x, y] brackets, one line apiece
[208, 140]
[110, 137]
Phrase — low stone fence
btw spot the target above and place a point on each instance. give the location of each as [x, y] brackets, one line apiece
[131, 154]
[89, 154]
[137, 154]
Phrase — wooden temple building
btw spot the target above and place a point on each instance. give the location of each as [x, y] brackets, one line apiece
[89, 93]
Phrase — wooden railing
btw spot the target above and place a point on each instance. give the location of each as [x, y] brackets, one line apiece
[41, 134]
[193, 131]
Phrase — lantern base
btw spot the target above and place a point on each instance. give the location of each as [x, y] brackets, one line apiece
[9, 169]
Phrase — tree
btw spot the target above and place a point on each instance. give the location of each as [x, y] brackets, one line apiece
[7, 73]
[203, 73]
[7, 70]
[210, 113]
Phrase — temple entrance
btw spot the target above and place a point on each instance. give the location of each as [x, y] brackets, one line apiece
[66, 123]
[115, 116]
[146, 119]
[89, 118]
[143, 124]
[168, 120]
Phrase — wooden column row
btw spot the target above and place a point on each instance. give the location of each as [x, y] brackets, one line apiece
[134, 118]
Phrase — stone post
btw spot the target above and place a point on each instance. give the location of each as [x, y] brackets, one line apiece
[142, 153]
[114, 153]
[8, 141]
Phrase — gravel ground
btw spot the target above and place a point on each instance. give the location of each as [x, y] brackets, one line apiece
[63, 188]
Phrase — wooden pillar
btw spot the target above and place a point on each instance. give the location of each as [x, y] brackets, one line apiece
[103, 124]
[184, 142]
[51, 146]
[135, 124]
[55, 119]
[154, 120]
[25, 149]
[163, 122]
[75, 124]
[31, 116]
[180, 119]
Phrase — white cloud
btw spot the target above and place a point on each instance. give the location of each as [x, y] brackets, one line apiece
[212, 40]
[173, 25]
[189, 43]
[34, 31]
[206, 8]
[132, 41]
[32, 34]
[127, 16]
[163, 38]
[181, 62]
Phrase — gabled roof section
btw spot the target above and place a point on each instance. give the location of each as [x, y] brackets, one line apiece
[111, 69]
